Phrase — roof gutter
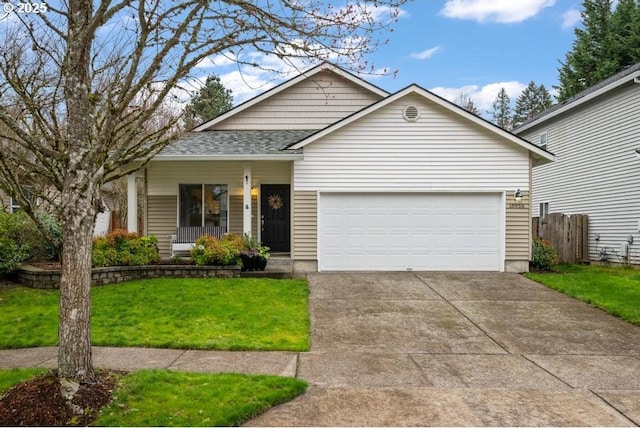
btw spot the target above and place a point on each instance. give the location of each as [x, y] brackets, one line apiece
[633, 77]
[274, 157]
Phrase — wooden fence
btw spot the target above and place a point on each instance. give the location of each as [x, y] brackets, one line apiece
[569, 235]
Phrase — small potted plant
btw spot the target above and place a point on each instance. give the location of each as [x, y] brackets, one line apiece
[254, 256]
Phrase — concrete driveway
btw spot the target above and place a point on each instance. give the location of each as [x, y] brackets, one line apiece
[479, 349]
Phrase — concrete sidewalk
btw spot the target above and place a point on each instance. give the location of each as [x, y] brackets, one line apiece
[431, 349]
[128, 359]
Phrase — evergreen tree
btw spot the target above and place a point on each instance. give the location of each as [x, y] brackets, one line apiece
[210, 101]
[607, 42]
[533, 100]
[625, 30]
[501, 113]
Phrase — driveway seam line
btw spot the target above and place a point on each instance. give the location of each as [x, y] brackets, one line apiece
[604, 400]
[462, 313]
[547, 371]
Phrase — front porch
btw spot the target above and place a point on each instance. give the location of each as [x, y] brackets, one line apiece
[237, 197]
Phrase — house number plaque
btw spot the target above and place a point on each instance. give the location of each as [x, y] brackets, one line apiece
[517, 206]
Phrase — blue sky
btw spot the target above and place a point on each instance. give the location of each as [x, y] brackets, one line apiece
[451, 47]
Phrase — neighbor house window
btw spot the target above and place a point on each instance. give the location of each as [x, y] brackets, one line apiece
[542, 141]
[543, 210]
[14, 204]
[203, 205]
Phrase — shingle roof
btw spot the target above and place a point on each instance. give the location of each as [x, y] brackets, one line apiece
[211, 143]
[624, 73]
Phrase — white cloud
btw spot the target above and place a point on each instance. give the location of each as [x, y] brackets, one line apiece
[502, 11]
[425, 54]
[570, 18]
[483, 96]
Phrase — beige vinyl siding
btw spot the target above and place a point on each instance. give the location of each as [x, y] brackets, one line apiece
[518, 227]
[305, 225]
[596, 172]
[162, 211]
[311, 104]
[235, 214]
[440, 152]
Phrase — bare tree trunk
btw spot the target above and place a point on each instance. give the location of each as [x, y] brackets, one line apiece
[80, 189]
[74, 352]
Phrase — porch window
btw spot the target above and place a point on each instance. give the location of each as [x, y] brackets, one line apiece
[203, 205]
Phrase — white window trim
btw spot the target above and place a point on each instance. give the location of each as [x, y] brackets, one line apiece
[543, 210]
[545, 136]
[13, 205]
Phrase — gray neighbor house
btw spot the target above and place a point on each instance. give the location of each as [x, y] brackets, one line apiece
[595, 137]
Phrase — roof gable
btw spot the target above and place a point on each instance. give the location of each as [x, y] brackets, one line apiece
[290, 97]
[540, 155]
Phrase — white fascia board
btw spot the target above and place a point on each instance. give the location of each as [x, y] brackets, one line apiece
[542, 154]
[289, 83]
[288, 157]
[580, 101]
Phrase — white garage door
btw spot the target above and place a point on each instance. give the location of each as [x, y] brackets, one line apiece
[410, 231]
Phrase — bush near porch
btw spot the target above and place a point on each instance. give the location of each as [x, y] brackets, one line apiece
[123, 248]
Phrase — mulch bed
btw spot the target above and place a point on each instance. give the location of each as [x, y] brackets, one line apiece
[38, 402]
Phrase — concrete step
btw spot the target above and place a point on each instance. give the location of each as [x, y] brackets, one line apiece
[277, 267]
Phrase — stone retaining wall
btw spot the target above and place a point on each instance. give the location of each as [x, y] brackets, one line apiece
[41, 278]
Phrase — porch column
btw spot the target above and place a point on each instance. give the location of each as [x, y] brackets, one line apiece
[132, 203]
[246, 200]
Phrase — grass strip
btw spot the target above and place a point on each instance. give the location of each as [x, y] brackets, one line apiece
[11, 377]
[167, 398]
[614, 289]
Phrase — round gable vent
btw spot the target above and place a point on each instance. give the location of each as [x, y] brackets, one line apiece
[411, 113]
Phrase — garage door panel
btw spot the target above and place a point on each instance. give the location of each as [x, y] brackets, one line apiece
[410, 231]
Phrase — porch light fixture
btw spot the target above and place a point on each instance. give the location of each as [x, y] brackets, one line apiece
[246, 179]
[518, 195]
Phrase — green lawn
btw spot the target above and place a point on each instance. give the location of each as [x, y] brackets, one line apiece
[223, 314]
[11, 377]
[164, 398]
[614, 289]
[169, 398]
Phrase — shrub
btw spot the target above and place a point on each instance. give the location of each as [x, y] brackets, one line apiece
[122, 248]
[209, 250]
[11, 255]
[47, 249]
[545, 257]
[21, 240]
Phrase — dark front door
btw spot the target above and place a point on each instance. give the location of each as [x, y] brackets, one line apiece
[275, 220]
